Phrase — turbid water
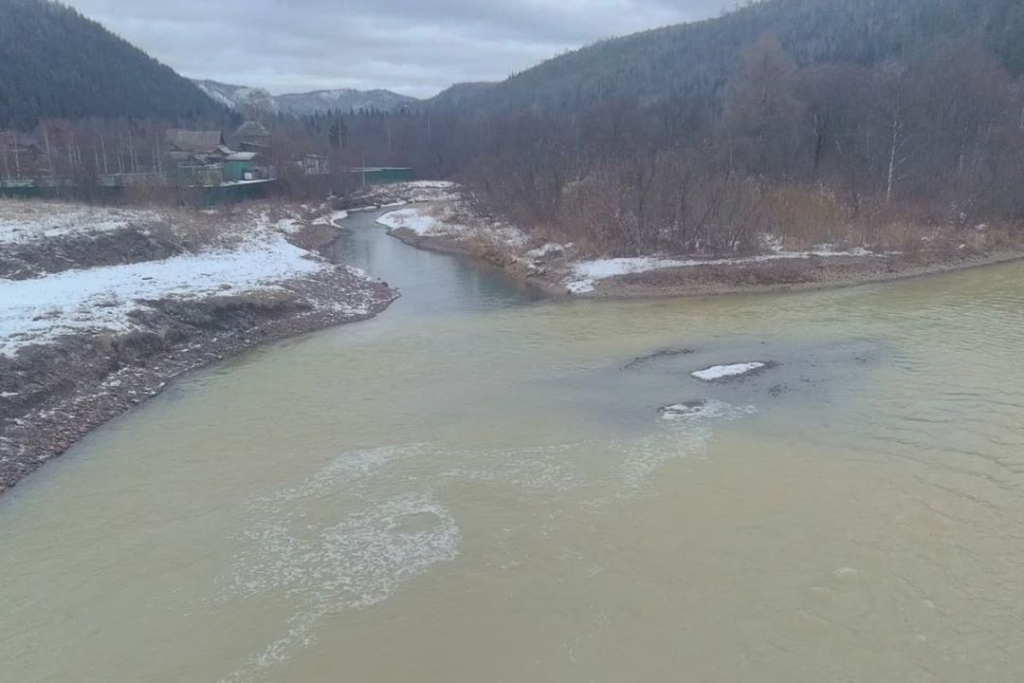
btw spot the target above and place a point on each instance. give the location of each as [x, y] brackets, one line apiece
[475, 487]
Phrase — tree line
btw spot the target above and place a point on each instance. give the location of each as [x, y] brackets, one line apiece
[824, 151]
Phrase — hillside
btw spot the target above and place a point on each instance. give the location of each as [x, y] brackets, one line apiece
[255, 101]
[248, 101]
[697, 58]
[55, 63]
[460, 95]
[302, 104]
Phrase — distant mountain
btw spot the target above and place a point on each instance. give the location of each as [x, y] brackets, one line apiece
[248, 101]
[254, 101]
[303, 104]
[695, 60]
[55, 63]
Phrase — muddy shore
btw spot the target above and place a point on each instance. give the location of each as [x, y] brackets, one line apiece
[809, 275]
[784, 275]
[51, 395]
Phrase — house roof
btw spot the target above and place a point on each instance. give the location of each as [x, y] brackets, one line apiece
[252, 129]
[240, 156]
[195, 140]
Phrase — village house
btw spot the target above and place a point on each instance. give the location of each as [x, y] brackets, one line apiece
[252, 136]
[198, 155]
[197, 146]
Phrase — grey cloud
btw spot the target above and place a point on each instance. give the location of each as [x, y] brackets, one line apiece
[413, 47]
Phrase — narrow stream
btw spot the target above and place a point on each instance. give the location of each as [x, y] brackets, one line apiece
[478, 486]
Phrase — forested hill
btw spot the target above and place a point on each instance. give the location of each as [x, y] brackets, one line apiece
[697, 58]
[55, 63]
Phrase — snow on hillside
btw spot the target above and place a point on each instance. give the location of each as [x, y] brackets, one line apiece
[239, 97]
[217, 96]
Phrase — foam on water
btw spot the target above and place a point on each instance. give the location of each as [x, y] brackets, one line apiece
[687, 433]
[342, 539]
[328, 566]
[346, 469]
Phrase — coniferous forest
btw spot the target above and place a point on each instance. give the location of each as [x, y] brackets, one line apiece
[845, 120]
[55, 63]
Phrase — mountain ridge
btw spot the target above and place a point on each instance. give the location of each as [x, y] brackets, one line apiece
[56, 63]
[697, 58]
[255, 101]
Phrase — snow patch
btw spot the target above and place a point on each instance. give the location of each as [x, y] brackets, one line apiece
[443, 221]
[88, 301]
[417, 221]
[722, 371]
[585, 275]
[331, 219]
[23, 223]
[546, 250]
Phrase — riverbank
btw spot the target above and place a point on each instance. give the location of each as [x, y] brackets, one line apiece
[101, 308]
[451, 225]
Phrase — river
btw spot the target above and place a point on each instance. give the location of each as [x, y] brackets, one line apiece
[475, 487]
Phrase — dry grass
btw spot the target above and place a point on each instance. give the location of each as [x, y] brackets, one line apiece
[807, 216]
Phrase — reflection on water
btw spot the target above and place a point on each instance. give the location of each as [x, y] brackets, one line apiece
[480, 486]
[431, 283]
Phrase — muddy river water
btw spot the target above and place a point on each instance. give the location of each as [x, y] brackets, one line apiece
[478, 486]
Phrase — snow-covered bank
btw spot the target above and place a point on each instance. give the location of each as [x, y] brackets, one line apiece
[456, 222]
[39, 310]
[80, 345]
[584, 275]
[23, 222]
[453, 225]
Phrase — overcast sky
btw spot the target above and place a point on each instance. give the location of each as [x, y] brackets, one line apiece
[415, 47]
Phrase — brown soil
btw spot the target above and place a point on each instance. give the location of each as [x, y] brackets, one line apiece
[786, 276]
[476, 249]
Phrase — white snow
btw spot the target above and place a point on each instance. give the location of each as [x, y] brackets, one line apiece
[331, 219]
[545, 250]
[420, 191]
[417, 221]
[41, 309]
[288, 226]
[431, 184]
[254, 181]
[585, 274]
[443, 221]
[722, 371]
[24, 222]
